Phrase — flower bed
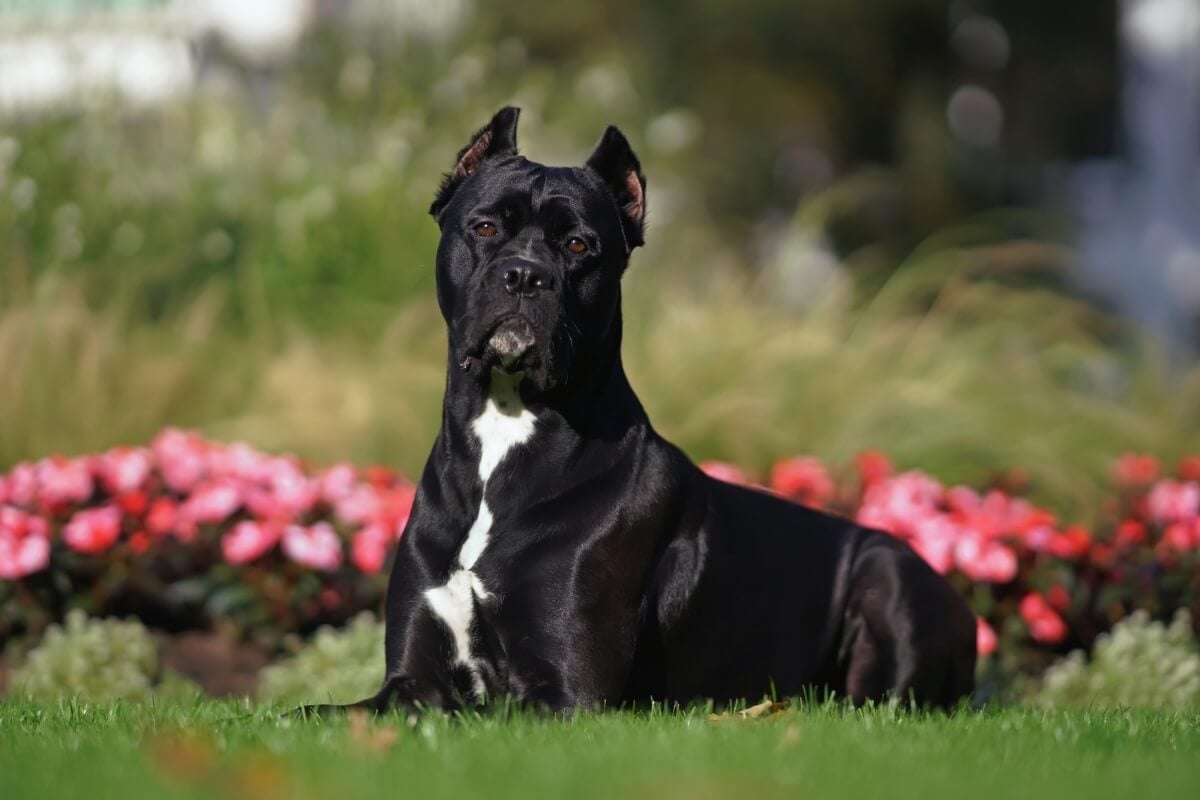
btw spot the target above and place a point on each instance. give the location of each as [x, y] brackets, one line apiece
[191, 533]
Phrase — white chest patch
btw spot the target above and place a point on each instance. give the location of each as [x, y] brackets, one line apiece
[503, 424]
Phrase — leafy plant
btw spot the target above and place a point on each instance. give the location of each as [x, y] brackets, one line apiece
[1140, 664]
[336, 666]
[96, 659]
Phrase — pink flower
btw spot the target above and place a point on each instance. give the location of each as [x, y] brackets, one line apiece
[1174, 501]
[985, 637]
[898, 504]
[21, 485]
[63, 481]
[804, 479]
[317, 546]
[1133, 470]
[124, 469]
[24, 543]
[369, 548]
[933, 538]
[1045, 625]
[181, 457]
[248, 540]
[1181, 537]
[725, 472]
[212, 502]
[238, 461]
[361, 506]
[336, 483]
[291, 487]
[984, 560]
[93, 530]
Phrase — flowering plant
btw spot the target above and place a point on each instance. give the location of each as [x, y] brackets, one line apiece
[1039, 587]
[190, 531]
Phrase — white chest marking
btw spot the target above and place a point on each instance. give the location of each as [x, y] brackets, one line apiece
[503, 424]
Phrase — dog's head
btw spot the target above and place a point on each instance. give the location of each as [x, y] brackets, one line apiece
[531, 257]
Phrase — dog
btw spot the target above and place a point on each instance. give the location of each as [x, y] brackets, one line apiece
[562, 554]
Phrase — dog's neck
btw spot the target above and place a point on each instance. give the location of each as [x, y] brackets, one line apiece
[596, 402]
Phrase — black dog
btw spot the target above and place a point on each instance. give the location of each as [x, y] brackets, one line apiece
[560, 552]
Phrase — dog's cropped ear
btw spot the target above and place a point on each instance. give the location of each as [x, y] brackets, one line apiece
[613, 160]
[497, 138]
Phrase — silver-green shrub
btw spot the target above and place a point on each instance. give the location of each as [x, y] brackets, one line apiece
[96, 659]
[1141, 664]
[336, 666]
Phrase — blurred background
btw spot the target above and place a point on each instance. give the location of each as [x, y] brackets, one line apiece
[966, 233]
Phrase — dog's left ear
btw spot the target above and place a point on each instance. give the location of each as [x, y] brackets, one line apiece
[497, 138]
[613, 160]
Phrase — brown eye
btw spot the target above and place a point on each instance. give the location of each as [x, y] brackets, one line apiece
[577, 246]
[486, 229]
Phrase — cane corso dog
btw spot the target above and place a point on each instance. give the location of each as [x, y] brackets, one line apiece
[561, 553]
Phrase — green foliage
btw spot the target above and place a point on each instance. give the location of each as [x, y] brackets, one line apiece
[96, 659]
[266, 273]
[336, 666]
[1140, 664]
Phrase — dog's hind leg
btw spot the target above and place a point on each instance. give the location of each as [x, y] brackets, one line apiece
[909, 635]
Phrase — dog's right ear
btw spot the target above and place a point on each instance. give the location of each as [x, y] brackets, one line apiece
[497, 138]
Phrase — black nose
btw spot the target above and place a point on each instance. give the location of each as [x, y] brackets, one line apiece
[527, 279]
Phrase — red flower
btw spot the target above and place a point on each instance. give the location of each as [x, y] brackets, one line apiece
[1045, 625]
[93, 530]
[139, 542]
[160, 520]
[1133, 470]
[369, 548]
[24, 543]
[1074, 542]
[248, 540]
[1131, 532]
[133, 503]
[985, 637]
[1058, 597]
[1188, 468]
[804, 479]
[873, 467]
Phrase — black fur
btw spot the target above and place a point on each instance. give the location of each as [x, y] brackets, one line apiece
[616, 572]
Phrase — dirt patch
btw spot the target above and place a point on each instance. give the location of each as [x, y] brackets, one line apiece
[221, 665]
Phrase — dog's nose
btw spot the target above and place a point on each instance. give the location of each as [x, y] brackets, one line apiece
[527, 279]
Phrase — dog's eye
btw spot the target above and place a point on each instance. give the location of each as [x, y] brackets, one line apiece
[577, 246]
[486, 229]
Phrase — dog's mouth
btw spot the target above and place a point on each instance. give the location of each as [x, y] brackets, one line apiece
[510, 343]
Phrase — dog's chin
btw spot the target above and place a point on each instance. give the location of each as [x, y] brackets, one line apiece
[511, 346]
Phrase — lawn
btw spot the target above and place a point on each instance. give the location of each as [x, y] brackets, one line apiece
[76, 749]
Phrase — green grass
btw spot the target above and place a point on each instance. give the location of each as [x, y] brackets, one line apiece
[213, 749]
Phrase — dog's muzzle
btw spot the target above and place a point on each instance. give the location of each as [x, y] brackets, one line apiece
[511, 340]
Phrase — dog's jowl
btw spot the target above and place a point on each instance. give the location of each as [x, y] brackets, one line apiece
[560, 552]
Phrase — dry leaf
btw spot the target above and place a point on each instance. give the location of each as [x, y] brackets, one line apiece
[763, 709]
[371, 738]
